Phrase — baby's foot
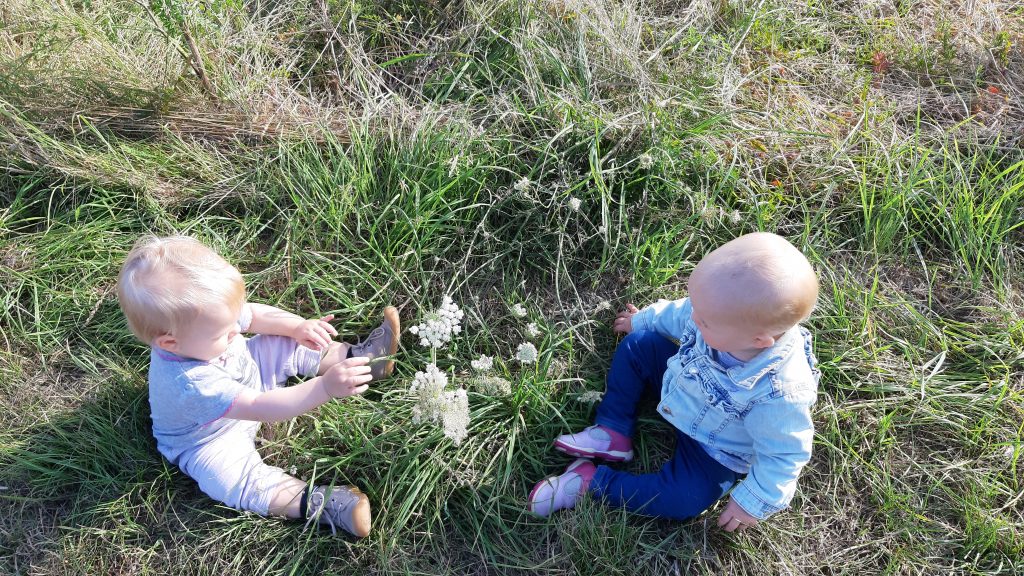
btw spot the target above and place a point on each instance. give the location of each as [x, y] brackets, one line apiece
[383, 341]
[597, 442]
[340, 506]
[559, 492]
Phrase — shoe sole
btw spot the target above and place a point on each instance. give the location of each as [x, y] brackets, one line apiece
[362, 518]
[391, 318]
[610, 456]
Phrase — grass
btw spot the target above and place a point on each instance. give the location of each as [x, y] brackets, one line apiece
[347, 155]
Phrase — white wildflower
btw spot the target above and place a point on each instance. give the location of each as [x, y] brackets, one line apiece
[602, 229]
[482, 364]
[735, 217]
[645, 161]
[522, 185]
[293, 470]
[557, 368]
[1008, 453]
[590, 397]
[491, 385]
[532, 331]
[435, 404]
[519, 311]
[428, 386]
[438, 327]
[603, 305]
[575, 204]
[455, 416]
[526, 353]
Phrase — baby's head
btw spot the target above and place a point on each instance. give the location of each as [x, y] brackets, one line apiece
[181, 296]
[751, 290]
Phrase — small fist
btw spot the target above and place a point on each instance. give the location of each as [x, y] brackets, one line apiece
[624, 321]
[735, 518]
[315, 334]
[348, 377]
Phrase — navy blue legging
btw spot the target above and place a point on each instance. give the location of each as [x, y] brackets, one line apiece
[687, 484]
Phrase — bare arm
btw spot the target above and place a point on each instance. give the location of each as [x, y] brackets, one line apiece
[315, 333]
[345, 378]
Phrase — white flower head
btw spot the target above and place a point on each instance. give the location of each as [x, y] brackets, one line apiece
[482, 364]
[575, 203]
[522, 185]
[491, 385]
[438, 327]
[602, 229]
[519, 311]
[645, 161]
[455, 416]
[532, 331]
[735, 217]
[450, 408]
[526, 353]
[603, 305]
[590, 397]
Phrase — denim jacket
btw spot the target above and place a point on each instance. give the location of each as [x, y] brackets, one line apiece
[754, 418]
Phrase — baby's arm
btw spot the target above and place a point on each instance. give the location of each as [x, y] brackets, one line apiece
[667, 317]
[315, 333]
[346, 378]
[783, 433]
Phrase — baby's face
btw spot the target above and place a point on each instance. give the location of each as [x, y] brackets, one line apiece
[209, 335]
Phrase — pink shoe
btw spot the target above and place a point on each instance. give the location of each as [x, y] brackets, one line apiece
[559, 492]
[597, 442]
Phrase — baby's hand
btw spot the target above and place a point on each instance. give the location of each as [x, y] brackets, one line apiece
[315, 334]
[348, 377]
[735, 518]
[624, 321]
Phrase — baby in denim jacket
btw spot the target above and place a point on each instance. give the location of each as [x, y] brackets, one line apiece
[735, 376]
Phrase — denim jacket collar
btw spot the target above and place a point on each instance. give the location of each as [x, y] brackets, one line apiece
[746, 375]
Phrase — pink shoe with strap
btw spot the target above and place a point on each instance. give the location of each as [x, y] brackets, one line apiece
[597, 442]
[563, 491]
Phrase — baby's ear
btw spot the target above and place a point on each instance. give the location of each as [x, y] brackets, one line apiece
[166, 342]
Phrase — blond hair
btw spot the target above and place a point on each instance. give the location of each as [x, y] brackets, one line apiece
[165, 282]
[762, 280]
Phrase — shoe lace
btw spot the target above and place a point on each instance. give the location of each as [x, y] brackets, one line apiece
[316, 508]
[364, 342]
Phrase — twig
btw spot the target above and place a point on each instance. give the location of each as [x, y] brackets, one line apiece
[194, 60]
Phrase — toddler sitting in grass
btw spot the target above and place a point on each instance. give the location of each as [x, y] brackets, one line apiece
[735, 376]
[210, 387]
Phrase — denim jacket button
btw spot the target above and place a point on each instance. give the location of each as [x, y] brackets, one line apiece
[666, 410]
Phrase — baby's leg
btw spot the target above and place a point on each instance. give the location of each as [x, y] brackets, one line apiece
[686, 485]
[638, 366]
[288, 498]
[229, 470]
[280, 357]
[337, 352]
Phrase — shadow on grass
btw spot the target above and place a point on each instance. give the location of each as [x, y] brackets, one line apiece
[86, 492]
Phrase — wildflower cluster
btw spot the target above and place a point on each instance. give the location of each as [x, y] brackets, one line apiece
[438, 327]
[491, 385]
[482, 364]
[450, 408]
[526, 353]
[532, 331]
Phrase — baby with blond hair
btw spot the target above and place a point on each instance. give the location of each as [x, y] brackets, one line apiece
[210, 387]
[735, 376]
